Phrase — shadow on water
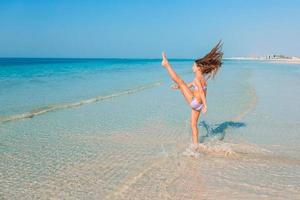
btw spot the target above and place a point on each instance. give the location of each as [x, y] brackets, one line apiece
[218, 130]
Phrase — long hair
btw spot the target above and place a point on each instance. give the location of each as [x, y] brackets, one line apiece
[211, 62]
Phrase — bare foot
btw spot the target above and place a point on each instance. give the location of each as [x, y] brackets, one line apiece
[165, 61]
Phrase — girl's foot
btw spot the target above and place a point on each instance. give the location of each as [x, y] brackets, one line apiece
[165, 62]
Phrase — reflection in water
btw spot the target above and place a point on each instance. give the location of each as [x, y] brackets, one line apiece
[218, 130]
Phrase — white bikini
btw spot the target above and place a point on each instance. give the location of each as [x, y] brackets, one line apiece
[195, 104]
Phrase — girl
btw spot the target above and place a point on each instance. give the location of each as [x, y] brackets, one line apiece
[204, 68]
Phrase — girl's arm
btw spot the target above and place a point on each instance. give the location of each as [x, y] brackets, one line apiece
[202, 95]
[176, 87]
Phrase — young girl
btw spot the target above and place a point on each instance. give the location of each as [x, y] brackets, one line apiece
[204, 68]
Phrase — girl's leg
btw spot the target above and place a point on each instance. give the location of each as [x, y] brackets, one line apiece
[194, 121]
[185, 90]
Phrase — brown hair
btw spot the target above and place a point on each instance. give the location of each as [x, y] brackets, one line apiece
[211, 62]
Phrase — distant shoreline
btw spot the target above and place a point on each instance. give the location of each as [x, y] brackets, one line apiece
[25, 60]
[292, 60]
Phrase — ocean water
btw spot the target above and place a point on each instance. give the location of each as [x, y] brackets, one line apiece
[113, 129]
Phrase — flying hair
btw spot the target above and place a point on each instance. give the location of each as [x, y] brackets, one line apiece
[211, 62]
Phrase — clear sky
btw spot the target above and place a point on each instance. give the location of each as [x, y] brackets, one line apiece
[142, 29]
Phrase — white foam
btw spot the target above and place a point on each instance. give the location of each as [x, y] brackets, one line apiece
[50, 108]
[220, 148]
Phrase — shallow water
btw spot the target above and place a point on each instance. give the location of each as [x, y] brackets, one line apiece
[113, 129]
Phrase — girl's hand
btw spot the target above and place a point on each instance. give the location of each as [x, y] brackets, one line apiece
[165, 61]
[175, 87]
[204, 109]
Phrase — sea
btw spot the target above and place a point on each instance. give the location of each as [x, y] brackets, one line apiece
[114, 129]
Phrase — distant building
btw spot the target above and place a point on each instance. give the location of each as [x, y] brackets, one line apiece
[275, 56]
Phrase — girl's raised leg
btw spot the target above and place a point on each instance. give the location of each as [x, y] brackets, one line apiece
[185, 90]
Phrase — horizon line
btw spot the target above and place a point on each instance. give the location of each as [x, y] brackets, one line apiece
[140, 58]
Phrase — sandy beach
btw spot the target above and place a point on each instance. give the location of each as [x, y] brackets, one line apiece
[149, 100]
[135, 144]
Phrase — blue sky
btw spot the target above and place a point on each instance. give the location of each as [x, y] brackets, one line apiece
[142, 29]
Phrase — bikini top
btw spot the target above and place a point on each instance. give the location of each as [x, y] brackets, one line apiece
[196, 88]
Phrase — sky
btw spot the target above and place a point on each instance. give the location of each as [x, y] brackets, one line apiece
[142, 29]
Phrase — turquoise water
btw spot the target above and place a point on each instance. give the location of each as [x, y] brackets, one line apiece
[113, 129]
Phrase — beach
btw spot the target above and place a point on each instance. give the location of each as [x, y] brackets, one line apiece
[289, 60]
[114, 129]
